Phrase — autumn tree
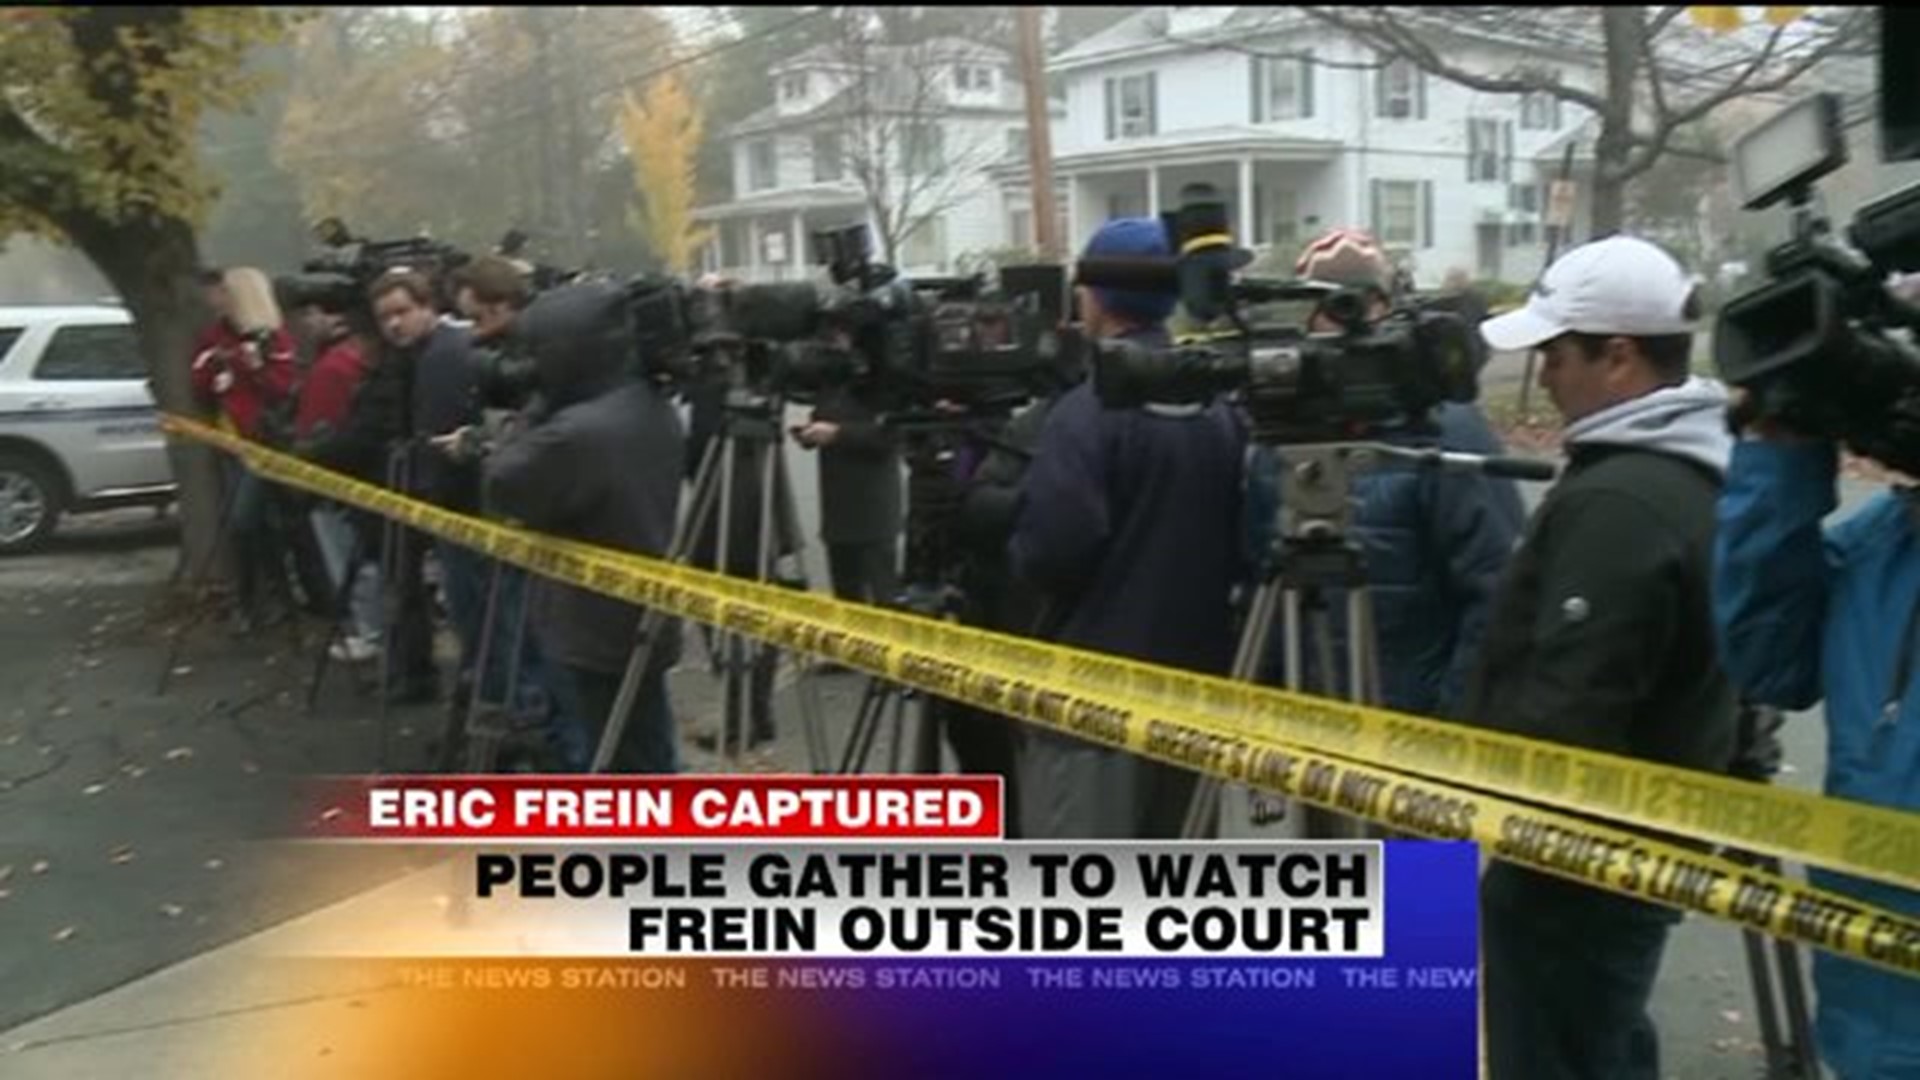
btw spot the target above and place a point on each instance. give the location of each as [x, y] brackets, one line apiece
[662, 132]
[98, 135]
[1661, 74]
[463, 123]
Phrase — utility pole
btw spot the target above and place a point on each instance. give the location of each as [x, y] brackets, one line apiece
[1033, 72]
[1559, 221]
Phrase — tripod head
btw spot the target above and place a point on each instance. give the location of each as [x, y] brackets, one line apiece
[1316, 482]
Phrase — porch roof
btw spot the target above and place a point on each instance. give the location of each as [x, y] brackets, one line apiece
[1189, 147]
[784, 201]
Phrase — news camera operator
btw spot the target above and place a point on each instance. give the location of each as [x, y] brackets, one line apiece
[1807, 614]
[243, 368]
[1130, 521]
[1602, 637]
[861, 512]
[599, 459]
[1436, 541]
[422, 386]
[327, 392]
[491, 292]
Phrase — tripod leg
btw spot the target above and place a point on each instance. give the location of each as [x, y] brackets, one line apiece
[479, 737]
[652, 623]
[200, 575]
[393, 554]
[342, 599]
[1765, 1004]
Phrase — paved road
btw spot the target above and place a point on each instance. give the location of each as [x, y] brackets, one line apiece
[129, 823]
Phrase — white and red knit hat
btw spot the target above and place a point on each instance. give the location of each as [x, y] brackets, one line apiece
[1348, 257]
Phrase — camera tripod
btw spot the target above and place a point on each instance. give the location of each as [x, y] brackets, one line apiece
[1314, 557]
[203, 572]
[393, 547]
[934, 498]
[750, 423]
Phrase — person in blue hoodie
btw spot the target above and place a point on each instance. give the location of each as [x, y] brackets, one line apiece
[1807, 613]
[1129, 522]
[1435, 543]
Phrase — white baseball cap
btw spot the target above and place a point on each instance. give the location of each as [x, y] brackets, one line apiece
[1620, 285]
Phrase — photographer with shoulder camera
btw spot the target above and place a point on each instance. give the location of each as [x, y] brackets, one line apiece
[325, 402]
[1809, 613]
[599, 462]
[491, 292]
[422, 385]
[243, 368]
[1436, 541]
[1602, 637]
[1130, 521]
[861, 512]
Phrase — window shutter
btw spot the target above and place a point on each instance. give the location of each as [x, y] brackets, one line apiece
[1113, 110]
[1306, 86]
[1153, 104]
[1506, 151]
[1380, 85]
[1378, 226]
[1426, 213]
[1473, 150]
[1419, 94]
[1257, 89]
[1259, 214]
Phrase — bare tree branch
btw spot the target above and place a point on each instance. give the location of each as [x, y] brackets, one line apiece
[1383, 31]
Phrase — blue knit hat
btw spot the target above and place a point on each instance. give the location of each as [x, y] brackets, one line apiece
[1134, 236]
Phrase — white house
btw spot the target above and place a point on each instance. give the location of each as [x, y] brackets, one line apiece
[904, 133]
[1301, 130]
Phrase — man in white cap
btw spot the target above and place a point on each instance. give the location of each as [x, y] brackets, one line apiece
[1603, 637]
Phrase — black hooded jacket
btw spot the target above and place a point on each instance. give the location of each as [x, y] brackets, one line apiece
[602, 466]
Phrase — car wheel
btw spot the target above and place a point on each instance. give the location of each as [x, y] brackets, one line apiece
[29, 503]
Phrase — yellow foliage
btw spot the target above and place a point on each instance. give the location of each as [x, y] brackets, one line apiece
[1720, 20]
[103, 106]
[662, 132]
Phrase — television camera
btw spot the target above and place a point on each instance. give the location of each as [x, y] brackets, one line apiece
[1365, 377]
[906, 344]
[1824, 347]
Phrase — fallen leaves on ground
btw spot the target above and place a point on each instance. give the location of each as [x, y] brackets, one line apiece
[65, 933]
[41, 867]
[179, 753]
[172, 911]
[121, 855]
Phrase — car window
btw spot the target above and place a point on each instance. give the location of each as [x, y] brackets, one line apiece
[8, 335]
[92, 352]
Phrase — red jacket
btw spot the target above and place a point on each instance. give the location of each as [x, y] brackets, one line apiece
[260, 377]
[331, 384]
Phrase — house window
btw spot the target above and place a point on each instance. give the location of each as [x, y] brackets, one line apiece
[970, 77]
[762, 170]
[1020, 221]
[793, 87]
[1399, 91]
[1539, 111]
[1132, 110]
[1489, 149]
[827, 161]
[1524, 198]
[1126, 204]
[1017, 144]
[1521, 234]
[922, 152]
[926, 245]
[1282, 88]
[1403, 213]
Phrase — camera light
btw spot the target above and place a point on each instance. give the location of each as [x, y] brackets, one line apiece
[1789, 151]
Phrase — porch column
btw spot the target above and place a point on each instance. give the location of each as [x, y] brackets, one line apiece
[1245, 221]
[796, 251]
[1153, 191]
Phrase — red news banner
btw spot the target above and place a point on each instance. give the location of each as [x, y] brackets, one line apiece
[661, 808]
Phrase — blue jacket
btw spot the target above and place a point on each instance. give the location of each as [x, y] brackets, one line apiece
[1805, 614]
[1129, 520]
[1436, 545]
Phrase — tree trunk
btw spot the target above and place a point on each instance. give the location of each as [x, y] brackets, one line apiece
[151, 265]
[1622, 27]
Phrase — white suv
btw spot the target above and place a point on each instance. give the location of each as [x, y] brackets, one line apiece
[78, 428]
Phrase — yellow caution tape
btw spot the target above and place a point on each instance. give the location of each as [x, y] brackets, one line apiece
[1316, 750]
